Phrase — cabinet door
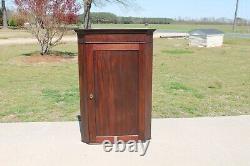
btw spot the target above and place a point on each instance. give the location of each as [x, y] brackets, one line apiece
[113, 80]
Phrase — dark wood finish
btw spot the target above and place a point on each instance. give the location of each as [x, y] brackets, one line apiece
[115, 77]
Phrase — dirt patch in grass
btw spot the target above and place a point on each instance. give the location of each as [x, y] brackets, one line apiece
[10, 118]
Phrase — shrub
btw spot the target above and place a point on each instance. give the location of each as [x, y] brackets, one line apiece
[12, 22]
[17, 20]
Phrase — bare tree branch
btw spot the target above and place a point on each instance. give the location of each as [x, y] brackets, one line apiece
[87, 8]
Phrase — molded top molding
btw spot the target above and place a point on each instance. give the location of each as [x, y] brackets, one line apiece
[114, 31]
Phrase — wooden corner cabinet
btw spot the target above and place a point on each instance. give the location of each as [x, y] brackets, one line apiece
[115, 77]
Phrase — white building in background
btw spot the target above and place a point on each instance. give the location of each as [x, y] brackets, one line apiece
[206, 38]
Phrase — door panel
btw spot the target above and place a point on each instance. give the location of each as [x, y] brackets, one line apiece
[116, 81]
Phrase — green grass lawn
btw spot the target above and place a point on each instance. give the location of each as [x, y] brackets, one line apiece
[187, 82]
[201, 81]
[37, 92]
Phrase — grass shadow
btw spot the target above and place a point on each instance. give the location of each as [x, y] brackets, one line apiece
[177, 52]
[4, 38]
[64, 54]
[176, 86]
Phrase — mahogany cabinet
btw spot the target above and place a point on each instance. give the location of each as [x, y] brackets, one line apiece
[115, 77]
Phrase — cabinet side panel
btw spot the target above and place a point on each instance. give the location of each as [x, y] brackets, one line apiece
[145, 88]
[83, 90]
[148, 88]
[141, 101]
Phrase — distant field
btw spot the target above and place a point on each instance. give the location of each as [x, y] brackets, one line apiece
[5, 34]
[187, 82]
[176, 27]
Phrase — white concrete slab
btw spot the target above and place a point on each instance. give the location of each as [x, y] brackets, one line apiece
[223, 141]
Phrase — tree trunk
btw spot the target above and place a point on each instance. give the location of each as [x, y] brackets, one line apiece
[44, 49]
[5, 24]
[235, 15]
[86, 15]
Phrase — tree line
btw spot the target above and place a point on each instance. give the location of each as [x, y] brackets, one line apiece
[110, 18]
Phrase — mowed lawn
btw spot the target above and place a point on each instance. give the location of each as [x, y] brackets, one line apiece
[187, 82]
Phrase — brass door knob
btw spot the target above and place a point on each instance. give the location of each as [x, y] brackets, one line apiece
[91, 96]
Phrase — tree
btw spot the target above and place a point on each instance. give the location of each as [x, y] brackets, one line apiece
[1, 17]
[87, 8]
[235, 15]
[103, 17]
[17, 19]
[48, 19]
[4, 12]
[86, 14]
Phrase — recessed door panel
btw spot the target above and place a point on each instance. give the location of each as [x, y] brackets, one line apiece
[116, 81]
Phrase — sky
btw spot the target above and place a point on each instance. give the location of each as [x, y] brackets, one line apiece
[180, 8]
[192, 9]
